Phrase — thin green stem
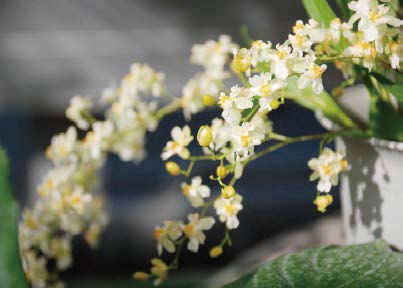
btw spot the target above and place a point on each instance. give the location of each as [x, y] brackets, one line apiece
[285, 143]
[168, 109]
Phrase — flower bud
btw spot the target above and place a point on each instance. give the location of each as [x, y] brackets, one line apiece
[241, 60]
[221, 171]
[208, 100]
[274, 104]
[323, 201]
[227, 192]
[205, 135]
[173, 168]
[141, 276]
[216, 251]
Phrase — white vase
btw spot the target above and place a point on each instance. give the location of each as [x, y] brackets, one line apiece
[372, 190]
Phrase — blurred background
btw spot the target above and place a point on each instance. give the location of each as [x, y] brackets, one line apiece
[51, 50]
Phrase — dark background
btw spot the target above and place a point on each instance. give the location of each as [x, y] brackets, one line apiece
[51, 50]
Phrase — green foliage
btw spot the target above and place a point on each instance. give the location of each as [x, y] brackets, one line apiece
[317, 102]
[397, 91]
[11, 273]
[384, 120]
[345, 11]
[248, 114]
[366, 265]
[319, 10]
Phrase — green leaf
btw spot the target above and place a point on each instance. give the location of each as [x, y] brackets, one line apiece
[320, 11]
[345, 11]
[384, 120]
[366, 265]
[322, 102]
[248, 114]
[397, 91]
[11, 273]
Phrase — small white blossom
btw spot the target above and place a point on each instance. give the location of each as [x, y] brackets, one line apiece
[79, 110]
[327, 168]
[227, 210]
[180, 140]
[195, 192]
[167, 235]
[194, 230]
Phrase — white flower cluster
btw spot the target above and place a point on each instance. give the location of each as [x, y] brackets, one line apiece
[265, 72]
[67, 207]
[369, 39]
[213, 57]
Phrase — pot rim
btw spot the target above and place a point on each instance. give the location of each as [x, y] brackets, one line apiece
[378, 142]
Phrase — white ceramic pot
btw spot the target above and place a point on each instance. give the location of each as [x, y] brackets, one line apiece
[372, 190]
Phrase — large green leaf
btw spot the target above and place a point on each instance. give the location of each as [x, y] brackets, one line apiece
[11, 273]
[322, 102]
[367, 265]
[319, 10]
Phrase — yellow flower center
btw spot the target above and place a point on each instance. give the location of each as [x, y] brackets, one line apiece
[327, 169]
[246, 140]
[223, 98]
[344, 164]
[173, 145]
[299, 40]
[186, 190]
[257, 44]
[188, 229]
[298, 27]
[281, 54]
[158, 233]
[31, 223]
[265, 89]
[373, 16]
[230, 209]
[76, 200]
[317, 71]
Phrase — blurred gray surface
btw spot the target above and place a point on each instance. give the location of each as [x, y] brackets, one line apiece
[51, 50]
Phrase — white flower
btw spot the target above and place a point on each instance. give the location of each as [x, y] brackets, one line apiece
[167, 235]
[147, 79]
[60, 248]
[129, 144]
[327, 168]
[373, 20]
[78, 111]
[394, 49]
[312, 75]
[195, 88]
[78, 199]
[245, 138]
[181, 139]
[62, 147]
[194, 230]
[227, 210]
[338, 28]
[99, 139]
[221, 133]
[364, 50]
[279, 61]
[35, 269]
[300, 44]
[212, 55]
[195, 192]
[262, 85]
[259, 52]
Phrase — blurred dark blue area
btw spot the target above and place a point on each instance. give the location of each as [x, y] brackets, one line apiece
[276, 190]
[50, 50]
